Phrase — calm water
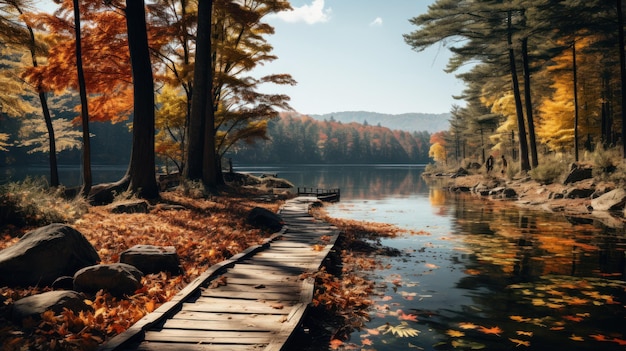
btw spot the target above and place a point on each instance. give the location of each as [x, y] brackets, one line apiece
[484, 275]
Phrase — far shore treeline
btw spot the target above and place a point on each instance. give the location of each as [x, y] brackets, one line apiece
[291, 138]
[302, 139]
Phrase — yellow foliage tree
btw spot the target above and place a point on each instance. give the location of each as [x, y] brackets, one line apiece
[556, 118]
[437, 152]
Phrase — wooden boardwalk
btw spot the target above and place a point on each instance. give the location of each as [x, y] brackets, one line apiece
[253, 301]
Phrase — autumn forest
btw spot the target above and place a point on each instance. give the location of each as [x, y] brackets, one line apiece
[541, 76]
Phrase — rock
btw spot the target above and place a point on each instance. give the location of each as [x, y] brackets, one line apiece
[503, 192]
[474, 165]
[44, 254]
[33, 306]
[556, 196]
[63, 283]
[461, 172]
[152, 259]
[578, 173]
[509, 193]
[612, 200]
[117, 278]
[580, 193]
[130, 206]
[264, 218]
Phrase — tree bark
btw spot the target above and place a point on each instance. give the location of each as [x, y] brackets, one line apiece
[622, 70]
[52, 153]
[529, 105]
[84, 110]
[523, 144]
[200, 157]
[575, 72]
[141, 170]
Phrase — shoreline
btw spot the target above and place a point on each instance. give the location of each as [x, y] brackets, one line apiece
[576, 199]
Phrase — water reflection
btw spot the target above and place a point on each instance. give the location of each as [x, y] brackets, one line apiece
[493, 276]
[355, 181]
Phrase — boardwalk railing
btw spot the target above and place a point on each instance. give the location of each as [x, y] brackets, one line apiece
[330, 195]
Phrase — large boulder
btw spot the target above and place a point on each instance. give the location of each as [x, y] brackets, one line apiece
[264, 218]
[44, 254]
[612, 200]
[33, 306]
[152, 259]
[117, 278]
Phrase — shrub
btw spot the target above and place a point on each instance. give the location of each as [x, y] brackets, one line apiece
[605, 161]
[32, 202]
[549, 169]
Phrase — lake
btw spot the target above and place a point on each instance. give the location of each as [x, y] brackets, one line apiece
[485, 275]
[482, 275]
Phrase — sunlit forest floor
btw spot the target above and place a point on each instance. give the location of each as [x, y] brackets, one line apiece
[204, 231]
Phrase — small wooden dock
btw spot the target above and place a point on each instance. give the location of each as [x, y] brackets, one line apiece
[329, 195]
[253, 301]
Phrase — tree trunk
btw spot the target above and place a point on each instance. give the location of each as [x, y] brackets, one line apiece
[200, 157]
[141, 170]
[84, 110]
[622, 70]
[523, 145]
[54, 169]
[575, 69]
[529, 104]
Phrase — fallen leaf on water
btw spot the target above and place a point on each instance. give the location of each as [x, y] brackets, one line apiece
[431, 266]
[465, 344]
[620, 342]
[493, 330]
[373, 331]
[519, 342]
[455, 333]
[576, 338]
[335, 344]
[573, 318]
[467, 325]
[519, 319]
[599, 337]
[407, 317]
[367, 342]
[524, 333]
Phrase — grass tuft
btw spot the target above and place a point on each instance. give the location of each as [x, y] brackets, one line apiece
[32, 202]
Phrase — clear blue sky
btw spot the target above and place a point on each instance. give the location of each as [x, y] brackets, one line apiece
[349, 55]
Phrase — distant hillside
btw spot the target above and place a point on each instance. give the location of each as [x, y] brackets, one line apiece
[411, 122]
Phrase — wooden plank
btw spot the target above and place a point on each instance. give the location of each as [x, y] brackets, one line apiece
[256, 325]
[236, 306]
[166, 346]
[241, 288]
[244, 319]
[254, 295]
[234, 280]
[204, 337]
[244, 267]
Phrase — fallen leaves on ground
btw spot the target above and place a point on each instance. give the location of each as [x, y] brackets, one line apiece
[204, 233]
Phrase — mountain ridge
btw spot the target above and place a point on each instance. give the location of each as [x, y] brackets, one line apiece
[410, 122]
